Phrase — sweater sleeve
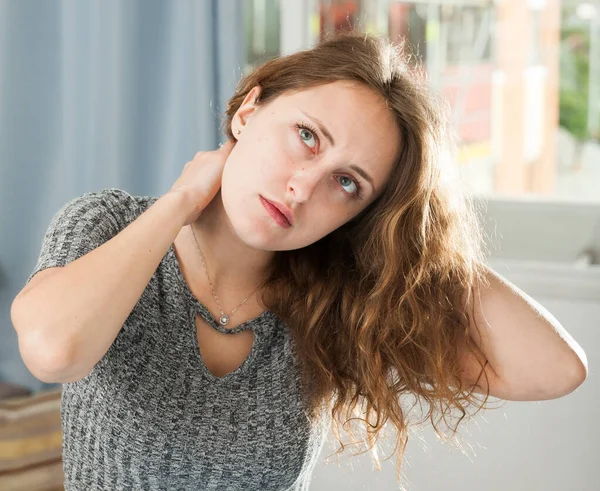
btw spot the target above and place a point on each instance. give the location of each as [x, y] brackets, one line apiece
[82, 224]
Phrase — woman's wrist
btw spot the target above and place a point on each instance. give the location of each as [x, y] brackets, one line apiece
[183, 202]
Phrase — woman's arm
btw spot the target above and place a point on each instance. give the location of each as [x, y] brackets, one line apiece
[68, 320]
[530, 356]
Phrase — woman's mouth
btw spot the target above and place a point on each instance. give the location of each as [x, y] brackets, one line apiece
[272, 210]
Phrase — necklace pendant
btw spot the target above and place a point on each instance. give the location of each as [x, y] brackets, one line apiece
[224, 320]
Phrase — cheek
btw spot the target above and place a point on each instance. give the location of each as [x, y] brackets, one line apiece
[261, 164]
[236, 185]
[337, 215]
[261, 155]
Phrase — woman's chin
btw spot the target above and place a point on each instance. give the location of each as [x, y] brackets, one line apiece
[254, 232]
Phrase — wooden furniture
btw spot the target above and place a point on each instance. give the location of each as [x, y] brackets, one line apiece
[30, 440]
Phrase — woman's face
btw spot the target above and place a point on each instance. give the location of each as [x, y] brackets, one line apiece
[324, 153]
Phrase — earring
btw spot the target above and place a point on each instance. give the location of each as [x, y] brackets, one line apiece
[237, 132]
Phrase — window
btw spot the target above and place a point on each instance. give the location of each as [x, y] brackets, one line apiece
[522, 77]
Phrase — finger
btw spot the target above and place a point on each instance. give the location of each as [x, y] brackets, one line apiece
[227, 146]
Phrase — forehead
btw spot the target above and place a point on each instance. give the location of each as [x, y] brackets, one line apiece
[363, 127]
[342, 100]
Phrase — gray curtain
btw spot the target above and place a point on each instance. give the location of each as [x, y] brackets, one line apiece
[97, 94]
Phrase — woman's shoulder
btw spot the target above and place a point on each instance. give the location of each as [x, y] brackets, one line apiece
[84, 223]
[117, 201]
[102, 201]
[145, 201]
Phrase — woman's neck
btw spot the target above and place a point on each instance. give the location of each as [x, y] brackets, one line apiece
[233, 266]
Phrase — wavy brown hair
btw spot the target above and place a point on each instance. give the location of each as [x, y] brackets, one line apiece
[376, 308]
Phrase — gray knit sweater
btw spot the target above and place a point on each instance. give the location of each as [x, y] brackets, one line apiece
[150, 415]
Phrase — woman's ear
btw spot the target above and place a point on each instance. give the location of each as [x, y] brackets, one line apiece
[245, 111]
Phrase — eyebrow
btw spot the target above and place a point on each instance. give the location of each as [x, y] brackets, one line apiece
[363, 174]
[321, 127]
[329, 136]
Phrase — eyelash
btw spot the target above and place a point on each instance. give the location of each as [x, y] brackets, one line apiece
[304, 126]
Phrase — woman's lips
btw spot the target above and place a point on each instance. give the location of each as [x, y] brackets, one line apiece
[279, 217]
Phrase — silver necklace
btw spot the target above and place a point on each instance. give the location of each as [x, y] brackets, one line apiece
[224, 319]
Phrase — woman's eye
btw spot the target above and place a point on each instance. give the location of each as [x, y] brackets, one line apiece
[306, 136]
[346, 181]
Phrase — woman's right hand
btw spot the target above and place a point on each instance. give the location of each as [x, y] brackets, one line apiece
[201, 179]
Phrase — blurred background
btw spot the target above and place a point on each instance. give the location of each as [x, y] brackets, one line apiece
[122, 93]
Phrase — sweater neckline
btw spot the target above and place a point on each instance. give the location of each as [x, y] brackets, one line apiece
[254, 323]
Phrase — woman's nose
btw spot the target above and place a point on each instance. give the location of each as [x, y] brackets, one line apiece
[303, 182]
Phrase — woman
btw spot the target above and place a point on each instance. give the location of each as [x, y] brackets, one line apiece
[320, 264]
